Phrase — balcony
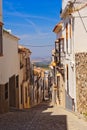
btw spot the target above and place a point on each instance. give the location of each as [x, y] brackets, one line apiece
[60, 69]
[57, 54]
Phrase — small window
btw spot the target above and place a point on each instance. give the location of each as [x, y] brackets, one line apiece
[6, 91]
[70, 28]
[21, 61]
[26, 95]
[57, 46]
[58, 86]
[62, 45]
[67, 31]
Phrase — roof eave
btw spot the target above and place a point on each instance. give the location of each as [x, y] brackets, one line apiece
[57, 28]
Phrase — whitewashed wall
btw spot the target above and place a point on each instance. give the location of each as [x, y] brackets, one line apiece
[64, 3]
[9, 63]
[80, 34]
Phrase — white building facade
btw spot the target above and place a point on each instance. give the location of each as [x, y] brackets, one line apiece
[14, 78]
[74, 35]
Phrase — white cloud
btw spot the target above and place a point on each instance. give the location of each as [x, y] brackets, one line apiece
[29, 21]
[22, 15]
[37, 38]
[41, 39]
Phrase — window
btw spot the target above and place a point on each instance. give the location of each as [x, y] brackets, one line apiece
[62, 45]
[1, 51]
[21, 61]
[55, 58]
[62, 54]
[70, 28]
[27, 68]
[57, 46]
[6, 91]
[26, 95]
[17, 81]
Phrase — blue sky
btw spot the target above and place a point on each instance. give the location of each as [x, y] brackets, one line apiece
[33, 21]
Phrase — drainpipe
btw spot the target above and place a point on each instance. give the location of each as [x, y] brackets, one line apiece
[74, 76]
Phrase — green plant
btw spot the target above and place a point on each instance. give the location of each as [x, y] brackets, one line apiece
[85, 115]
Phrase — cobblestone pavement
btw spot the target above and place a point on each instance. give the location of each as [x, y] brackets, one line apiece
[41, 117]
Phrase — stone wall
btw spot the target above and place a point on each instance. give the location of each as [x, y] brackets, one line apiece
[81, 81]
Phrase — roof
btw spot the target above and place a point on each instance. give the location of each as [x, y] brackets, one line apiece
[58, 27]
[1, 23]
[38, 71]
[22, 49]
[72, 7]
[6, 31]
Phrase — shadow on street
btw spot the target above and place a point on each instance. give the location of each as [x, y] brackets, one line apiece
[40, 117]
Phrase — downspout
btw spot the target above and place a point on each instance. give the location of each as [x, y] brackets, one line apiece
[74, 75]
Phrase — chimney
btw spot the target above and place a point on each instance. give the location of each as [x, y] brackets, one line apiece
[1, 29]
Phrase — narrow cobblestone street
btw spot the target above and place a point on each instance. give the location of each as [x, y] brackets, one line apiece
[41, 117]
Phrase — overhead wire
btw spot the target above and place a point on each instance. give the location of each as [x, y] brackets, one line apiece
[75, 1]
[37, 45]
[82, 21]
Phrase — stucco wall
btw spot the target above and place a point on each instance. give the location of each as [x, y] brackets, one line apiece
[9, 66]
[81, 81]
[9, 63]
[80, 34]
[70, 90]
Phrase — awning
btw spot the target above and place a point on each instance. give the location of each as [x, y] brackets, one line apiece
[58, 28]
[62, 37]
